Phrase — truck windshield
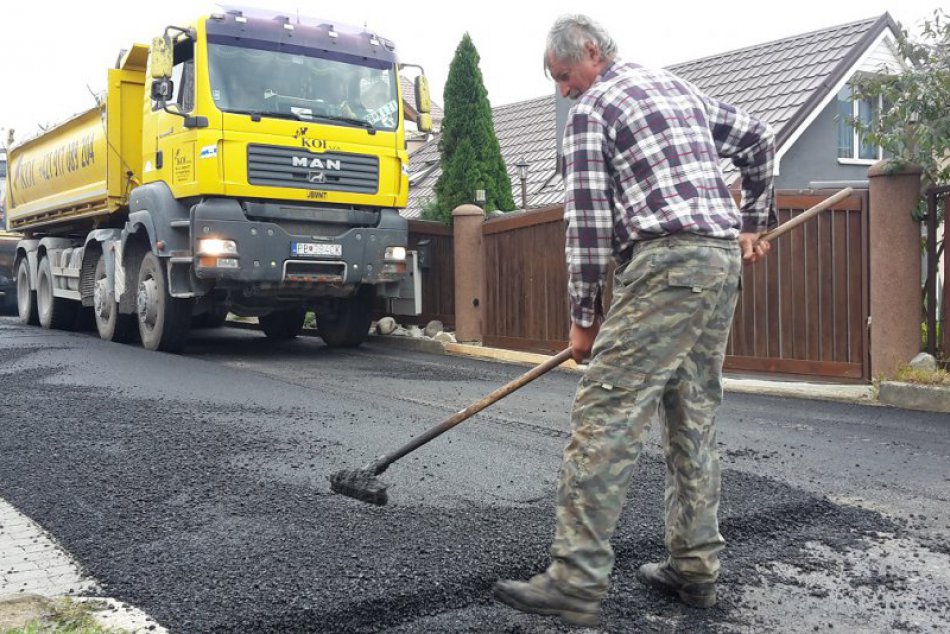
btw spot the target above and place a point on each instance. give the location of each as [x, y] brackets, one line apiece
[310, 87]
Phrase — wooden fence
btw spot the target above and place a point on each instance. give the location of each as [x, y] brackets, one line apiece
[801, 312]
[438, 272]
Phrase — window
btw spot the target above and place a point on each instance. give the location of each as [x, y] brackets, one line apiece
[851, 142]
[311, 85]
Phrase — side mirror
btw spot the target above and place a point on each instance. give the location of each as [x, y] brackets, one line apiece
[162, 57]
[424, 123]
[423, 102]
[162, 90]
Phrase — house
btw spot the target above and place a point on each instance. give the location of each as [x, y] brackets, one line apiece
[799, 84]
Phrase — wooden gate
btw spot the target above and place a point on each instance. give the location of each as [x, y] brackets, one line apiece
[804, 310]
[801, 312]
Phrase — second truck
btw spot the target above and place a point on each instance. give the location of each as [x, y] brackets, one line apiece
[246, 163]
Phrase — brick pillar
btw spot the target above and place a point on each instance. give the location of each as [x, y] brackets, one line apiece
[896, 298]
[469, 271]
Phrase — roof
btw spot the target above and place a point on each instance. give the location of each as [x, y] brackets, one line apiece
[780, 82]
[525, 130]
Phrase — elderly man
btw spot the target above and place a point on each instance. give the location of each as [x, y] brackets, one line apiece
[643, 185]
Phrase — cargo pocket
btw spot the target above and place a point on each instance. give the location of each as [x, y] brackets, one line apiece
[696, 279]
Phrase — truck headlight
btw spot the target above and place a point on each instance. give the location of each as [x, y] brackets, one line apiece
[397, 254]
[215, 247]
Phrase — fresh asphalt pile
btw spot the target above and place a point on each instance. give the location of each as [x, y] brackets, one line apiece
[179, 517]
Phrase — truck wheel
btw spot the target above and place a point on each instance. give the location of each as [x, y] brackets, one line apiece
[164, 321]
[349, 326]
[283, 324]
[25, 298]
[54, 312]
[111, 324]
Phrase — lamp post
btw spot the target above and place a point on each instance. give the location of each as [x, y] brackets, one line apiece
[480, 198]
[522, 166]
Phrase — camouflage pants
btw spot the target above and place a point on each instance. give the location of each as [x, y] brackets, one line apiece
[659, 352]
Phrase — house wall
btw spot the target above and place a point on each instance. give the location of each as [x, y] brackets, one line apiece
[814, 157]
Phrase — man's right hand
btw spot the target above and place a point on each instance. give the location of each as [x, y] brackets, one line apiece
[582, 340]
[753, 249]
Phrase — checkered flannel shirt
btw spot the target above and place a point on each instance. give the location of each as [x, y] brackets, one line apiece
[641, 159]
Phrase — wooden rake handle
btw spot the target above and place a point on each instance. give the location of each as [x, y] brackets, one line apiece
[827, 203]
[475, 408]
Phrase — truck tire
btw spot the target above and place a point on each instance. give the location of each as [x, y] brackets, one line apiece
[56, 313]
[348, 327]
[111, 324]
[164, 321]
[25, 298]
[283, 324]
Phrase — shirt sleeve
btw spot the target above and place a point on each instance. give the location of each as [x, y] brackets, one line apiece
[588, 211]
[750, 144]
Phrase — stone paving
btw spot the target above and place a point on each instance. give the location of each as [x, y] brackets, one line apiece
[31, 562]
[33, 566]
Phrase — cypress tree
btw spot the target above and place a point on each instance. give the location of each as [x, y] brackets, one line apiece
[470, 154]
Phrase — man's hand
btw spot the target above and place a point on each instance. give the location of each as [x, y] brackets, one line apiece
[753, 249]
[582, 340]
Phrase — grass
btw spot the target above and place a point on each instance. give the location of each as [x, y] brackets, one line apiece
[907, 374]
[67, 617]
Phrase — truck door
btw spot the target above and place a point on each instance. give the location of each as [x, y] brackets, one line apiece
[169, 146]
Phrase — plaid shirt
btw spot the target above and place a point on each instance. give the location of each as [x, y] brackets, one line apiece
[641, 160]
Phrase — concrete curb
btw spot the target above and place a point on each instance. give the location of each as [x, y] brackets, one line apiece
[927, 398]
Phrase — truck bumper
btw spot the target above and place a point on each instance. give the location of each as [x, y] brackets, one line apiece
[268, 257]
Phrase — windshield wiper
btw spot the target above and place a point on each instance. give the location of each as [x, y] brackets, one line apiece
[257, 114]
[360, 123]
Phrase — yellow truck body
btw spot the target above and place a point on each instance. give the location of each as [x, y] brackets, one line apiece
[257, 163]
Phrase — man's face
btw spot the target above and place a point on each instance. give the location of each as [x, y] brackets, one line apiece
[574, 78]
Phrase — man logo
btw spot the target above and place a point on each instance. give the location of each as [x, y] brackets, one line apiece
[335, 165]
[317, 178]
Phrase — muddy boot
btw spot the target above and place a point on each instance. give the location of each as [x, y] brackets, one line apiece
[663, 577]
[540, 596]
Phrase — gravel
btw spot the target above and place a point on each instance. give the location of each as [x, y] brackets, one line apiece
[217, 519]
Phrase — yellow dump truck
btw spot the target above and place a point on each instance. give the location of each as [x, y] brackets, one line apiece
[252, 164]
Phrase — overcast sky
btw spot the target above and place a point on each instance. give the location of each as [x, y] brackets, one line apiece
[51, 51]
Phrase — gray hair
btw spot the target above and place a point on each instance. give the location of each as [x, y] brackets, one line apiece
[571, 33]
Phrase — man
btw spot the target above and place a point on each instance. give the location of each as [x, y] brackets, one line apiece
[643, 184]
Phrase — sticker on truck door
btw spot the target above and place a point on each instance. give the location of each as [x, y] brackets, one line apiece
[184, 163]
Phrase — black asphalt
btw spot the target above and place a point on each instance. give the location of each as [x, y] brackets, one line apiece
[195, 488]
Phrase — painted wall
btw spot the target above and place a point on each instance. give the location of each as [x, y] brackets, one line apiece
[815, 156]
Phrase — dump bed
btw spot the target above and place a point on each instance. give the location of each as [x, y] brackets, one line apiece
[83, 168]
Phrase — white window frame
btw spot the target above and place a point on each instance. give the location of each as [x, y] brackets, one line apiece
[855, 159]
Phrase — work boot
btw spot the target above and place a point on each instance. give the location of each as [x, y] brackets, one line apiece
[541, 596]
[664, 577]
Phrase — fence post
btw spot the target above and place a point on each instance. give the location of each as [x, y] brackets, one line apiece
[895, 293]
[469, 271]
[945, 311]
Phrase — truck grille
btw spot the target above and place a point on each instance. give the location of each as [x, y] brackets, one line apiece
[275, 166]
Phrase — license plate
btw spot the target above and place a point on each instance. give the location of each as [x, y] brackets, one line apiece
[316, 248]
